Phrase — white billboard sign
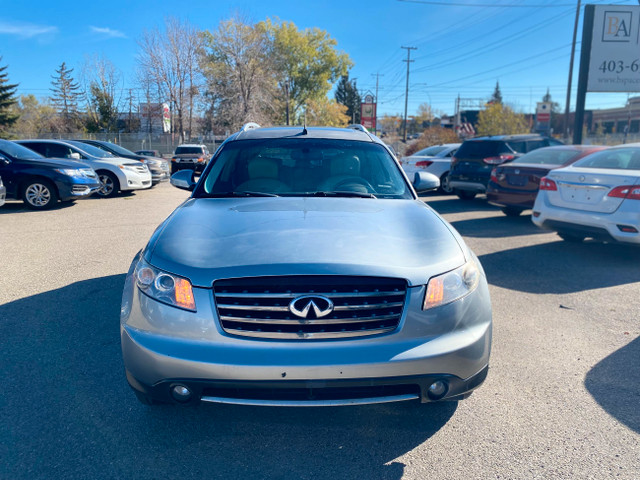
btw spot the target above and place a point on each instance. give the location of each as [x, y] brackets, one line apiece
[615, 49]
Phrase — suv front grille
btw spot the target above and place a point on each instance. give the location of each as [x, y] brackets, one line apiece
[261, 306]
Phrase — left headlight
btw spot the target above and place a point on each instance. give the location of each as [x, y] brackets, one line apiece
[164, 287]
[452, 286]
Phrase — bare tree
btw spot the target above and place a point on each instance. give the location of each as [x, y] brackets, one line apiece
[168, 59]
[103, 88]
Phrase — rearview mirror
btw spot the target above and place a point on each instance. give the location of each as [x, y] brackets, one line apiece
[423, 181]
[184, 179]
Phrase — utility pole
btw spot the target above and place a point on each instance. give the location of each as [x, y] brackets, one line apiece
[286, 90]
[406, 92]
[573, 53]
[375, 120]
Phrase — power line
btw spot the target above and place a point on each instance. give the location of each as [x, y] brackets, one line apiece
[489, 5]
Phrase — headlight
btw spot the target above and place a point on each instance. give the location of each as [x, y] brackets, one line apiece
[71, 172]
[452, 286]
[164, 287]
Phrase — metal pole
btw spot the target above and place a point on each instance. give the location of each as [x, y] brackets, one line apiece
[573, 53]
[375, 116]
[406, 92]
[585, 58]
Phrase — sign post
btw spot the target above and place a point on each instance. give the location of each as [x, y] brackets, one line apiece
[368, 112]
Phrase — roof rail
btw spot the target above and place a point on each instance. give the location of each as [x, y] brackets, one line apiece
[249, 126]
[360, 128]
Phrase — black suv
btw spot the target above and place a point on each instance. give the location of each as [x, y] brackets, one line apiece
[471, 167]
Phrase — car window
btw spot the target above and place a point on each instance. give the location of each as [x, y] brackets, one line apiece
[56, 150]
[17, 151]
[554, 142]
[518, 146]
[451, 153]
[548, 156]
[91, 150]
[299, 167]
[618, 158]
[430, 151]
[189, 150]
[116, 148]
[482, 149]
[535, 144]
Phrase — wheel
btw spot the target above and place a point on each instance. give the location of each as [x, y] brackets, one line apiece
[39, 194]
[445, 187]
[465, 194]
[110, 184]
[571, 237]
[146, 400]
[512, 211]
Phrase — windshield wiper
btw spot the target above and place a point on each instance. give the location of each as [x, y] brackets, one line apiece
[240, 194]
[345, 194]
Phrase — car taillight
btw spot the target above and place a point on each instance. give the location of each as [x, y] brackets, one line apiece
[630, 192]
[423, 163]
[548, 184]
[174, 159]
[498, 160]
[494, 175]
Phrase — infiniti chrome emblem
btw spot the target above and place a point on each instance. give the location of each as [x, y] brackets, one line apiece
[302, 306]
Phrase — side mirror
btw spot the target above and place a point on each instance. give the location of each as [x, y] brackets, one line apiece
[423, 181]
[184, 179]
[4, 160]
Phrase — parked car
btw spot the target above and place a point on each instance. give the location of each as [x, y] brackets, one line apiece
[596, 197]
[296, 274]
[3, 192]
[513, 186]
[189, 156]
[150, 153]
[40, 182]
[436, 160]
[115, 173]
[158, 167]
[472, 165]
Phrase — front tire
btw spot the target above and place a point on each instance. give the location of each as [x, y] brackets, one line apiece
[110, 184]
[39, 194]
[465, 194]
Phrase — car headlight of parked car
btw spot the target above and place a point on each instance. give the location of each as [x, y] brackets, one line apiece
[71, 172]
[452, 286]
[164, 287]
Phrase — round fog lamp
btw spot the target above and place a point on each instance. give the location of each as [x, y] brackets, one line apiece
[145, 277]
[437, 390]
[181, 393]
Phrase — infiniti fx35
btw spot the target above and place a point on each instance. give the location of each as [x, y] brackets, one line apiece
[304, 270]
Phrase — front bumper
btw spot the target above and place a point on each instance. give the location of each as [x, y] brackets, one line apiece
[187, 165]
[601, 226]
[132, 180]
[452, 344]
[506, 198]
[77, 190]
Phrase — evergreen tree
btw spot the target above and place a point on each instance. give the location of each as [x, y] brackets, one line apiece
[497, 95]
[347, 94]
[7, 100]
[66, 94]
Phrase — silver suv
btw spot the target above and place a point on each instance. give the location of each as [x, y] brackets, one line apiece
[304, 270]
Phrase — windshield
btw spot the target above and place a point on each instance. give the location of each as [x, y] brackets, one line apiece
[304, 167]
[482, 149]
[18, 151]
[91, 150]
[618, 158]
[189, 150]
[429, 152]
[118, 149]
[548, 156]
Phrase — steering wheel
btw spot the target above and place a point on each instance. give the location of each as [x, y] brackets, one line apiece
[350, 181]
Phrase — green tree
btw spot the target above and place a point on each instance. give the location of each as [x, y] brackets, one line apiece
[65, 97]
[498, 119]
[307, 63]
[496, 97]
[8, 117]
[36, 117]
[104, 117]
[326, 113]
[347, 94]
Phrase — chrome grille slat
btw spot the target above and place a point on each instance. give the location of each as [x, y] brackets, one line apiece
[316, 321]
[258, 307]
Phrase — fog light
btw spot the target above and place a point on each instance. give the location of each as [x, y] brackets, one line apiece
[181, 393]
[437, 390]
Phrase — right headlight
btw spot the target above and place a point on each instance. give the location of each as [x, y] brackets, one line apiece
[164, 287]
[452, 286]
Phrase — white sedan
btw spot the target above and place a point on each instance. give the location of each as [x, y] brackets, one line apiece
[435, 160]
[596, 197]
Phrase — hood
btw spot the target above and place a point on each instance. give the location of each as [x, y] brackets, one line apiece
[58, 163]
[115, 161]
[208, 239]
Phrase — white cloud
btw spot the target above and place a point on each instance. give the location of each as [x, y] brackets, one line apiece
[107, 32]
[25, 30]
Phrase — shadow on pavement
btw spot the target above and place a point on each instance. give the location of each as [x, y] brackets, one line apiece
[452, 204]
[497, 227]
[20, 207]
[69, 412]
[563, 267]
[615, 384]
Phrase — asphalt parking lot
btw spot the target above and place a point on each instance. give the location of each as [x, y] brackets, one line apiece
[562, 399]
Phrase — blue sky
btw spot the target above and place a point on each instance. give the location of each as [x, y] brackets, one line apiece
[461, 49]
